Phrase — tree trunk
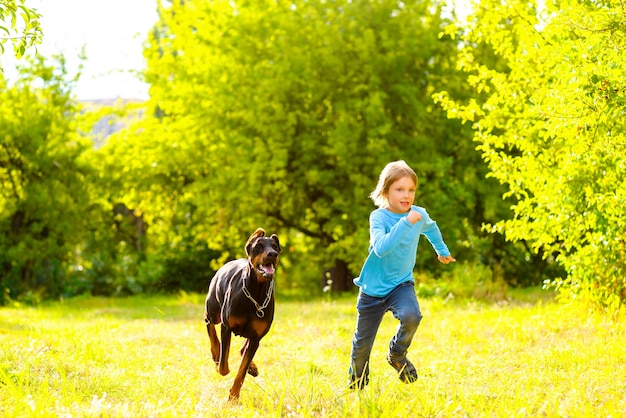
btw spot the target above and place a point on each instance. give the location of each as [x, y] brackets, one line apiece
[338, 277]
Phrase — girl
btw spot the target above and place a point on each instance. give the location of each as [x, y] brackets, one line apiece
[386, 280]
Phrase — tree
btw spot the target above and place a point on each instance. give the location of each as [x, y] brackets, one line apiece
[295, 109]
[552, 130]
[282, 115]
[43, 201]
[19, 25]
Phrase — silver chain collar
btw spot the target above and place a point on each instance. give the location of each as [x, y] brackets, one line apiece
[268, 297]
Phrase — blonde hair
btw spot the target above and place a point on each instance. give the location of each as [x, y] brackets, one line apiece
[392, 172]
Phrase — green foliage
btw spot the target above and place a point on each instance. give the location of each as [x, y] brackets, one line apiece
[19, 25]
[43, 178]
[551, 128]
[158, 226]
[467, 281]
[262, 114]
[187, 265]
[281, 115]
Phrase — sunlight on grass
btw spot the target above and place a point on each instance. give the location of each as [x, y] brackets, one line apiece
[149, 356]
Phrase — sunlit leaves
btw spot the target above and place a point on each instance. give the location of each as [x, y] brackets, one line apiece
[294, 108]
[44, 204]
[19, 25]
[552, 129]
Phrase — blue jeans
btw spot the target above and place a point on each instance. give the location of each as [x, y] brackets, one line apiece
[402, 302]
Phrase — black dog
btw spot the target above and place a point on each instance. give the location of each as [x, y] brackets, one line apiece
[241, 298]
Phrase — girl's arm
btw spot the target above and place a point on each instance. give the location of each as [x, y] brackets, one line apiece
[432, 232]
[381, 241]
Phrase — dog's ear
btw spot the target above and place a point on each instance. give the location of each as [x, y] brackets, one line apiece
[260, 232]
[275, 238]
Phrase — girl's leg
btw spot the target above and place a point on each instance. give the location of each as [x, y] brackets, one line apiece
[402, 302]
[370, 314]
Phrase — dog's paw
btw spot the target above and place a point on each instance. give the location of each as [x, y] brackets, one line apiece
[253, 370]
[223, 370]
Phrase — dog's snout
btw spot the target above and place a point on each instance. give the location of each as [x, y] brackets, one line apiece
[272, 254]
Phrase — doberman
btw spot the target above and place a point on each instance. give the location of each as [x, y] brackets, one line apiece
[241, 299]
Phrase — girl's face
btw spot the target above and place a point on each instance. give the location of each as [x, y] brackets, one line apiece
[401, 195]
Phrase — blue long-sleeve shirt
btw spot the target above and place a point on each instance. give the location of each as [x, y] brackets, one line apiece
[393, 250]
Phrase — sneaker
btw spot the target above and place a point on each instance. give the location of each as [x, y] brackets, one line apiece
[358, 382]
[406, 370]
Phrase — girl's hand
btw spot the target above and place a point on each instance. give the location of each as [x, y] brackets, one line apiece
[414, 216]
[447, 259]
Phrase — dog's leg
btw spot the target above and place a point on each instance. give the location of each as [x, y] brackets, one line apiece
[225, 350]
[215, 343]
[253, 370]
[252, 346]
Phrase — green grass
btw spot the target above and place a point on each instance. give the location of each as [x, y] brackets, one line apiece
[149, 357]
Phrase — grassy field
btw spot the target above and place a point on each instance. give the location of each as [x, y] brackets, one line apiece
[149, 357]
